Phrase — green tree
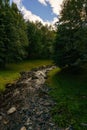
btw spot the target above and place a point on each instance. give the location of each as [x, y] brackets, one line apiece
[48, 37]
[34, 38]
[40, 40]
[70, 44]
[13, 38]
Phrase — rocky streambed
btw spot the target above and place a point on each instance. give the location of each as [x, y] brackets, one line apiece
[26, 105]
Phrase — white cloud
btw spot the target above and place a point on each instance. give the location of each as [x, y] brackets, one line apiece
[43, 2]
[28, 15]
[18, 2]
[55, 5]
[54, 20]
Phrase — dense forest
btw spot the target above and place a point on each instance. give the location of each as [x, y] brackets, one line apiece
[20, 39]
[71, 40]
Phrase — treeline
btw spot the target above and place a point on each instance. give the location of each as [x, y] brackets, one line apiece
[71, 40]
[21, 40]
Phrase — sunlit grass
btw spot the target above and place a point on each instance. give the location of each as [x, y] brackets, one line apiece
[70, 92]
[11, 73]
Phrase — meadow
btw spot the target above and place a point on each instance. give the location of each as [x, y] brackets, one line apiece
[11, 72]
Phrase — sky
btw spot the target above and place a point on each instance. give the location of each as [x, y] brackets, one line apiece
[45, 11]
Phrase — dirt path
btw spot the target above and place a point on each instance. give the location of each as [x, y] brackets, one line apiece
[26, 105]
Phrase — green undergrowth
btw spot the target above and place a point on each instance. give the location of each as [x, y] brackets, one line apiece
[70, 92]
[11, 72]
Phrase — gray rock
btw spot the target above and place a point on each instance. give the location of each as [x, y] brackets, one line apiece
[51, 124]
[30, 128]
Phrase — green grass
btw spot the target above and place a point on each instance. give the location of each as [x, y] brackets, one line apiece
[11, 73]
[70, 92]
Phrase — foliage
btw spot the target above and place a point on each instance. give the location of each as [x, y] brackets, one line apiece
[21, 40]
[70, 93]
[71, 42]
[41, 40]
[13, 38]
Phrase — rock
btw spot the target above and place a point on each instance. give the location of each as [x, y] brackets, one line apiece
[47, 104]
[51, 124]
[38, 74]
[30, 128]
[84, 124]
[28, 122]
[39, 82]
[23, 128]
[5, 121]
[39, 113]
[69, 128]
[9, 85]
[2, 114]
[28, 80]
[16, 92]
[11, 110]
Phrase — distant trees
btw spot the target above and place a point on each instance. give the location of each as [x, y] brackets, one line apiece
[34, 38]
[71, 41]
[41, 40]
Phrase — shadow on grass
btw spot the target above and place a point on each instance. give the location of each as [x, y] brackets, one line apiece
[69, 89]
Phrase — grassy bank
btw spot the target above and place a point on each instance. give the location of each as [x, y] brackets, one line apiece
[11, 72]
[70, 92]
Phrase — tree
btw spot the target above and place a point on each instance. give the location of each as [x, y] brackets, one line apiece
[70, 44]
[34, 38]
[40, 40]
[48, 37]
[13, 38]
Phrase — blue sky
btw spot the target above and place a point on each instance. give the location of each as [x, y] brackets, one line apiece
[46, 11]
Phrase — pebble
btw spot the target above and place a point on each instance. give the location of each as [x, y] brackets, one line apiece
[28, 122]
[5, 121]
[51, 124]
[11, 110]
[30, 128]
[23, 128]
[69, 128]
